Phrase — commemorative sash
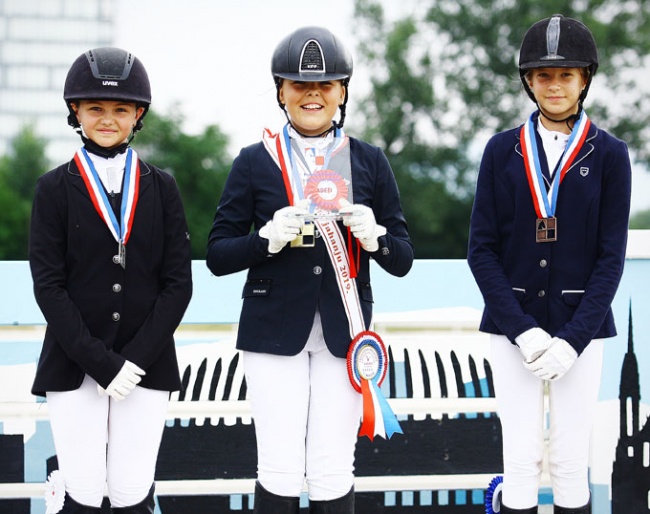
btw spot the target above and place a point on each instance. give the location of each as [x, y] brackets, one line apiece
[121, 229]
[544, 201]
[323, 189]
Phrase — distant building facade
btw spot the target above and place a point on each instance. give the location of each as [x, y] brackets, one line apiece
[39, 39]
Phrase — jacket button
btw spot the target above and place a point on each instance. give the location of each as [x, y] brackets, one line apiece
[541, 294]
[317, 270]
[543, 263]
[115, 316]
[117, 288]
[116, 259]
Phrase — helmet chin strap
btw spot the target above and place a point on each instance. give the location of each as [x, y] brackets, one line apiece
[107, 153]
[569, 120]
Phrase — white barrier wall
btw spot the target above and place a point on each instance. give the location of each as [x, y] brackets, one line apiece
[440, 386]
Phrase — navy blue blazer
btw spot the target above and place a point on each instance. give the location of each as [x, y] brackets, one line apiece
[565, 287]
[99, 314]
[283, 290]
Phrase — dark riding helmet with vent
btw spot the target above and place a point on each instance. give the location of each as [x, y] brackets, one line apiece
[558, 42]
[107, 74]
[312, 54]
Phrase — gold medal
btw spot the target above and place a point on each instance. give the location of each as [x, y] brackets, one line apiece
[546, 230]
[306, 237]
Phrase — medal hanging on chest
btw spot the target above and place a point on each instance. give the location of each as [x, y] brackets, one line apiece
[545, 202]
[120, 229]
[546, 231]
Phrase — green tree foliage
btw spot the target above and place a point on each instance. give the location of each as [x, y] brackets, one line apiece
[641, 220]
[199, 163]
[19, 170]
[445, 79]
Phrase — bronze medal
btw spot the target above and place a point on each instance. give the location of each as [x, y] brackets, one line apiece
[546, 230]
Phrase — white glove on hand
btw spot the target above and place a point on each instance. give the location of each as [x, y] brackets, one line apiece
[554, 362]
[284, 227]
[124, 382]
[363, 225]
[532, 343]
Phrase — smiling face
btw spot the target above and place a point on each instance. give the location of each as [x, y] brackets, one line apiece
[107, 122]
[311, 106]
[557, 90]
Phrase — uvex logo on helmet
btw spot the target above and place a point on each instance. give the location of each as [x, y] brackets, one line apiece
[110, 83]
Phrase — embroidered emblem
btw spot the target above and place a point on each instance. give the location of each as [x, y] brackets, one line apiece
[584, 171]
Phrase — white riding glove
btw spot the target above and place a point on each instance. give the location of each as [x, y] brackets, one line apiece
[554, 362]
[532, 343]
[124, 382]
[363, 225]
[284, 227]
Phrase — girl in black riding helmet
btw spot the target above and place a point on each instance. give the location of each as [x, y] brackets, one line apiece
[547, 247]
[110, 259]
[308, 291]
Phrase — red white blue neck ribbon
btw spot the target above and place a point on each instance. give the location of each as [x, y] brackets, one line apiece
[121, 229]
[545, 202]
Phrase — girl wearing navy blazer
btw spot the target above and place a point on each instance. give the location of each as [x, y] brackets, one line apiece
[547, 248]
[302, 300]
[110, 259]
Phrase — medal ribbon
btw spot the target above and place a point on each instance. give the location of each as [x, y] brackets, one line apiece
[378, 418]
[121, 229]
[546, 202]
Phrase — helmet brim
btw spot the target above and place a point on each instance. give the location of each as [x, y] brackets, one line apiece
[312, 77]
[554, 64]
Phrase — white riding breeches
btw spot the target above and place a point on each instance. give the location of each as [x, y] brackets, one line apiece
[306, 416]
[103, 443]
[520, 403]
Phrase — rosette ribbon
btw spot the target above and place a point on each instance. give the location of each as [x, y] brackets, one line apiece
[493, 496]
[367, 363]
[54, 492]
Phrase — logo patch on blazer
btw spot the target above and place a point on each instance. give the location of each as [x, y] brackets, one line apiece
[584, 171]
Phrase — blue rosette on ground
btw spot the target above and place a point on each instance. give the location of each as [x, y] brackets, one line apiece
[493, 496]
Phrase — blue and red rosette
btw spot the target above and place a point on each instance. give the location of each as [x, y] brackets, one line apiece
[367, 366]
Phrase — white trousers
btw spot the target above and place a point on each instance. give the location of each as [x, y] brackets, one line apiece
[102, 442]
[520, 402]
[306, 416]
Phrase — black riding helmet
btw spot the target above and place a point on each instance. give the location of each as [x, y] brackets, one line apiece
[107, 74]
[558, 42]
[312, 54]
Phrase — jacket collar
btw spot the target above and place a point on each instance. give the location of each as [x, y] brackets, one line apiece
[586, 149]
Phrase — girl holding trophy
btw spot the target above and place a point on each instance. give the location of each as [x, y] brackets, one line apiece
[303, 211]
